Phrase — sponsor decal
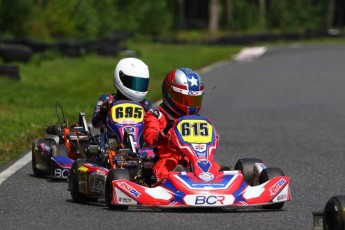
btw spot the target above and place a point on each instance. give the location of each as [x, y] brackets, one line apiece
[123, 200]
[96, 182]
[195, 93]
[223, 184]
[281, 197]
[206, 176]
[199, 147]
[209, 200]
[61, 173]
[129, 188]
[275, 188]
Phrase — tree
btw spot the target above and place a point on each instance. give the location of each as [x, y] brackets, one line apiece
[229, 11]
[14, 17]
[262, 14]
[213, 23]
[330, 15]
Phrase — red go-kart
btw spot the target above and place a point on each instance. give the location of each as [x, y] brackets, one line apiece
[252, 183]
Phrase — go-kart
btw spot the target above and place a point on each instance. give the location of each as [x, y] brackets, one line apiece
[54, 155]
[124, 149]
[252, 183]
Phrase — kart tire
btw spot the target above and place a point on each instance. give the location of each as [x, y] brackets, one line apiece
[246, 166]
[59, 150]
[47, 141]
[115, 174]
[77, 196]
[35, 170]
[333, 214]
[266, 175]
[10, 71]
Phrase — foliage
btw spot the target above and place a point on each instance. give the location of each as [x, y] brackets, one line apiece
[83, 19]
[51, 19]
[288, 16]
[14, 17]
[245, 15]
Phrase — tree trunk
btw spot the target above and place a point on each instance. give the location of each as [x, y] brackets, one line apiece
[330, 15]
[262, 14]
[213, 17]
[229, 14]
[182, 18]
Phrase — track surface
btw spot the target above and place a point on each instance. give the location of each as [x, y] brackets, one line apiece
[287, 108]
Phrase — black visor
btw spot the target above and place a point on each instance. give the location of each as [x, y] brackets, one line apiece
[135, 83]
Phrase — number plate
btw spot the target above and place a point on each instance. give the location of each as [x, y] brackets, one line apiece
[195, 131]
[127, 113]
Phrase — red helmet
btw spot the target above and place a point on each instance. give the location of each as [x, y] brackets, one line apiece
[182, 91]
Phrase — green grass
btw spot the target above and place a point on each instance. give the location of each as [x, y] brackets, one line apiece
[28, 105]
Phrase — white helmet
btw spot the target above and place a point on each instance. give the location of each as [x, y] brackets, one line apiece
[131, 78]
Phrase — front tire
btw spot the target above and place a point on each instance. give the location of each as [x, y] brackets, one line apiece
[334, 215]
[115, 174]
[266, 175]
[246, 166]
[77, 196]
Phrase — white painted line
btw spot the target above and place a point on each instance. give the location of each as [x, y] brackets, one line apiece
[250, 53]
[211, 67]
[15, 167]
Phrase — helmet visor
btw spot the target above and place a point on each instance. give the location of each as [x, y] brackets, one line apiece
[187, 100]
[134, 83]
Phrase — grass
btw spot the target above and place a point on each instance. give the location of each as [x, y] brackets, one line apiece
[28, 105]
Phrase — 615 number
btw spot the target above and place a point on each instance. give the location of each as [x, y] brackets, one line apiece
[195, 129]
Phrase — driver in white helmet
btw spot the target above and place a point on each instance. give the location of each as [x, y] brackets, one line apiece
[131, 79]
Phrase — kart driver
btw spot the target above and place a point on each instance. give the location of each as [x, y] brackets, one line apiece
[131, 79]
[182, 92]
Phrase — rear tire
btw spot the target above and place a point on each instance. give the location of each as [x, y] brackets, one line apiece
[115, 174]
[77, 196]
[334, 215]
[246, 166]
[33, 162]
[266, 175]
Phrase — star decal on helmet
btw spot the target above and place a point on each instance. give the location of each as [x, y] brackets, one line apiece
[193, 81]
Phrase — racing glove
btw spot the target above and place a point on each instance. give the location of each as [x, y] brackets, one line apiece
[103, 113]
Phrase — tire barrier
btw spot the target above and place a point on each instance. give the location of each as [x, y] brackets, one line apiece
[10, 72]
[72, 49]
[15, 52]
[104, 47]
[35, 46]
[21, 49]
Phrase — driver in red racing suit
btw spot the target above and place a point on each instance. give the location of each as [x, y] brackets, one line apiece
[182, 92]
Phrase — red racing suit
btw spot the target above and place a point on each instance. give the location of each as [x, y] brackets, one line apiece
[156, 133]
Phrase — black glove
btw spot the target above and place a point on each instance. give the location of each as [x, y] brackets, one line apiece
[103, 113]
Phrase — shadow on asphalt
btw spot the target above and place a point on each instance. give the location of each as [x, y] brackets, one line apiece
[196, 210]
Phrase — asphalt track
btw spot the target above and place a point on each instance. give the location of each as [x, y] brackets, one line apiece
[287, 108]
